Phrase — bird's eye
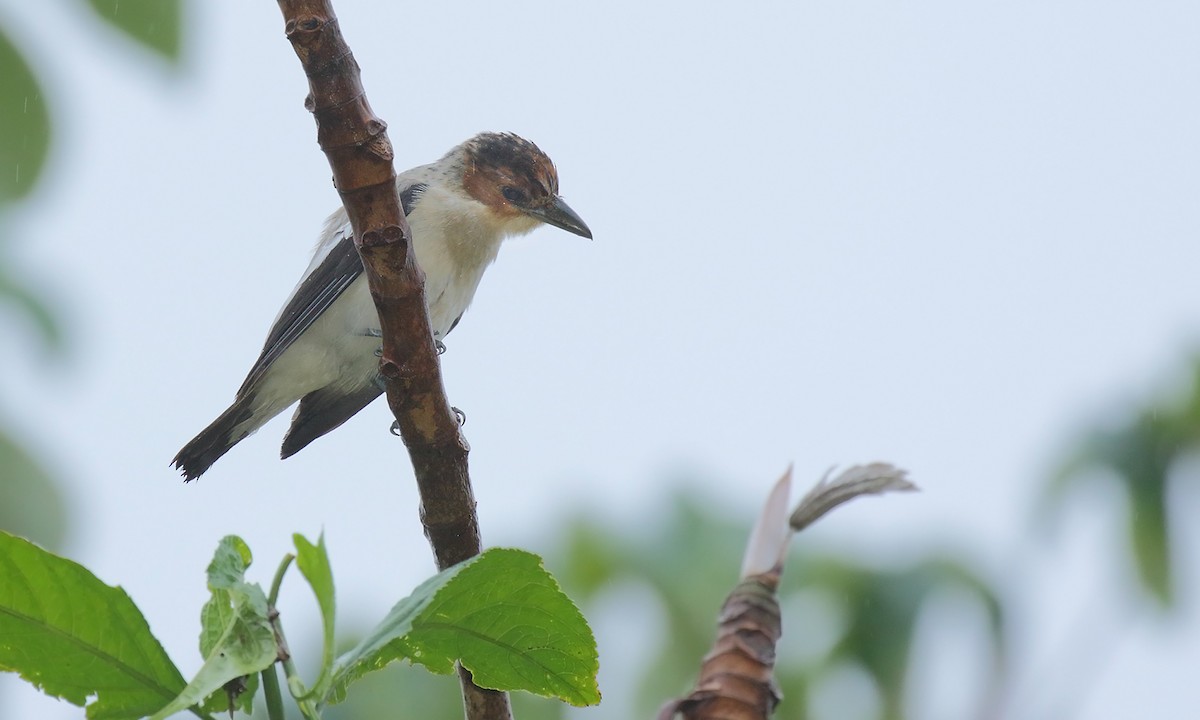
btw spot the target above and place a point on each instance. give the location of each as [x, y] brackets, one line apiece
[512, 194]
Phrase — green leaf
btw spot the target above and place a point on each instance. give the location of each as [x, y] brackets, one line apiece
[73, 637]
[155, 24]
[313, 562]
[30, 504]
[236, 637]
[26, 122]
[502, 616]
[34, 307]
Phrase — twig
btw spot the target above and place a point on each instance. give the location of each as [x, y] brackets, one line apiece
[356, 143]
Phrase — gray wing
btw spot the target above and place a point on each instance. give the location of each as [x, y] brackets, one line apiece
[317, 292]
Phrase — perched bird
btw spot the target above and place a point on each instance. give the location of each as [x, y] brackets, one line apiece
[322, 348]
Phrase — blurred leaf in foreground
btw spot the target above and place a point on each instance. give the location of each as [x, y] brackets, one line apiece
[1141, 454]
[27, 301]
[24, 124]
[30, 503]
[154, 24]
[882, 610]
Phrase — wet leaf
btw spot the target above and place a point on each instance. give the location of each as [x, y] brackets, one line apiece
[313, 561]
[502, 616]
[75, 638]
[236, 637]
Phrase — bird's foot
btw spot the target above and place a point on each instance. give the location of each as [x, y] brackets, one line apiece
[459, 415]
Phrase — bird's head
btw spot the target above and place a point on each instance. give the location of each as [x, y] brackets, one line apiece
[518, 184]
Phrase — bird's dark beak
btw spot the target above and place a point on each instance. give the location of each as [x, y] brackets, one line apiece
[560, 215]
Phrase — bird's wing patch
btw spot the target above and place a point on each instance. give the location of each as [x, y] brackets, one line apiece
[323, 410]
[340, 268]
[316, 293]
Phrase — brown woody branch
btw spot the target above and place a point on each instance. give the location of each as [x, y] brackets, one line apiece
[356, 143]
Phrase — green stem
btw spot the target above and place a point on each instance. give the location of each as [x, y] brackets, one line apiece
[295, 684]
[278, 579]
[271, 692]
[270, 680]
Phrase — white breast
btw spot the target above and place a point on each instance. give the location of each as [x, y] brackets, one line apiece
[455, 241]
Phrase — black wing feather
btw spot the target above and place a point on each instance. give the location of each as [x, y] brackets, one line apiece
[323, 410]
[340, 268]
[338, 271]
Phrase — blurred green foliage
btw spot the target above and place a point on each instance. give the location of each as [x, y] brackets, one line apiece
[155, 24]
[1142, 453]
[27, 303]
[882, 608]
[25, 118]
[30, 504]
[24, 124]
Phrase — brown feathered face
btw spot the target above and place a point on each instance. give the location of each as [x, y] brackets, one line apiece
[514, 178]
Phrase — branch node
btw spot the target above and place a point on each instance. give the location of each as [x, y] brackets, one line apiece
[387, 235]
[390, 369]
[305, 24]
[381, 148]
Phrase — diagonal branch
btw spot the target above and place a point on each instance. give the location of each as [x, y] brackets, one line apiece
[356, 143]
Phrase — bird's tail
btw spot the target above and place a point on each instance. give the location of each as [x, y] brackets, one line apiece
[215, 440]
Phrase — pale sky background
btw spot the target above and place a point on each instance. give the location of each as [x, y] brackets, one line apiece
[946, 234]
